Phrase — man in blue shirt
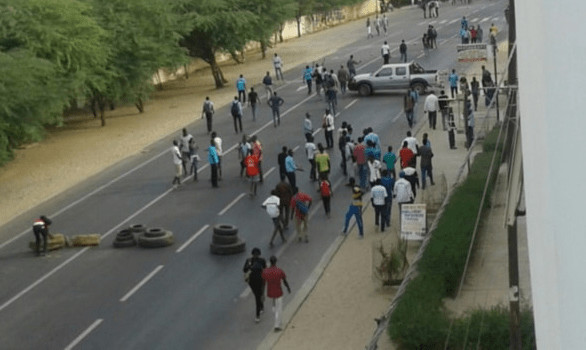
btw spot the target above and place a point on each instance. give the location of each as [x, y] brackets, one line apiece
[390, 158]
[388, 183]
[453, 82]
[290, 168]
[214, 160]
[241, 87]
[308, 76]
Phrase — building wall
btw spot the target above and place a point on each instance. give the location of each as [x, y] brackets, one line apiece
[552, 75]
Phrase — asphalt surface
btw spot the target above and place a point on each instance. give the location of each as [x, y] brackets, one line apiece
[183, 296]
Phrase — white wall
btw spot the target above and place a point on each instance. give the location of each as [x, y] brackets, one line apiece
[552, 77]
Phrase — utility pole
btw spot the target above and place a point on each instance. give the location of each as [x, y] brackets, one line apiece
[496, 77]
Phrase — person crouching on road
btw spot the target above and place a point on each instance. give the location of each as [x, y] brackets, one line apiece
[41, 230]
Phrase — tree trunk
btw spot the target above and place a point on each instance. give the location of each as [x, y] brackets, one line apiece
[102, 117]
[263, 49]
[281, 28]
[159, 81]
[186, 72]
[298, 18]
[217, 73]
[139, 105]
[237, 59]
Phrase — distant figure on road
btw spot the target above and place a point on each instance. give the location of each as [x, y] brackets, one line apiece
[328, 126]
[278, 64]
[368, 29]
[453, 79]
[326, 193]
[300, 204]
[275, 103]
[403, 51]
[41, 230]
[272, 205]
[267, 81]
[355, 209]
[377, 25]
[185, 152]
[254, 267]
[385, 51]
[285, 193]
[241, 87]
[208, 111]
[402, 191]
[343, 78]
[351, 64]
[307, 77]
[310, 150]
[252, 172]
[178, 161]
[253, 99]
[214, 161]
[273, 276]
[431, 106]
[378, 199]
[291, 168]
[194, 157]
[236, 111]
[425, 153]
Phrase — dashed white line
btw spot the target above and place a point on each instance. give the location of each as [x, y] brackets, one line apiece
[84, 334]
[231, 204]
[192, 238]
[269, 172]
[301, 88]
[485, 19]
[397, 117]
[350, 104]
[453, 21]
[141, 283]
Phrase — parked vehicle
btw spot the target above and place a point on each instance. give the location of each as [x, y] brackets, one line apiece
[395, 76]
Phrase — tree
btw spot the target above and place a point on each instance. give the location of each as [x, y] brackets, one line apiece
[216, 26]
[143, 36]
[270, 15]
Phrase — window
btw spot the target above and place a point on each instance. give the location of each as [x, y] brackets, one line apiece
[401, 71]
[385, 72]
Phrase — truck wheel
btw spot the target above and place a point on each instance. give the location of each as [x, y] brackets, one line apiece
[124, 243]
[138, 228]
[364, 90]
[125, 234]
[419, 87]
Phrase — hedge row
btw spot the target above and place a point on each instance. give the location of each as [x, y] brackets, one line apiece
[420, 320]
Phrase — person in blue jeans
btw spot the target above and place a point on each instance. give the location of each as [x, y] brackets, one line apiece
[453, 82]
[355, 209]
[388, 182]
[241, 87]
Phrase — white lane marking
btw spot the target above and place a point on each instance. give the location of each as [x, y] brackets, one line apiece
[421, 55]
[246, 292]
[443, 21]
[433, 22]
[474, 19]
[485, 19]
[84, 334]
[495, 19]
[422, 23]
[301, 88]
[316, 131]
[141, 283]
[192, 238]
[74, 203]
[282, 115]
[269, 172]
[397, 117]
[37, 282]
[295, 148]
[231, 204]
[453, 21]
[350, 104]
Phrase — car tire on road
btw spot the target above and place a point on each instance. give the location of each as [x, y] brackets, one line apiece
[234, 248]
[225, 230]
[155, 232]
[165, 240]
[364, 89]
[125, 234]
[138, 228]
[124, 243]
[223, 240]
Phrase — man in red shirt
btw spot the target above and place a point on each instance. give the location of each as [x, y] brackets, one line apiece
[360, 158]
[273, 277]
[407, 156]
[252, 171]
[300, 204]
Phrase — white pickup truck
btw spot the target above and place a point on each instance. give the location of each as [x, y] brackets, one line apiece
[395, 76]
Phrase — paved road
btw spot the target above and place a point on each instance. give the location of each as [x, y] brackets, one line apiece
[180, 296]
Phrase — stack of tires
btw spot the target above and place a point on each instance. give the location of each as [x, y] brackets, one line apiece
[225, 240]
[155, 237]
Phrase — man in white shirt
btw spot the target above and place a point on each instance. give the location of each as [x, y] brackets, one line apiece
[378, 195]
[307, 126]
[218, 144]
[278, 64]
[184, 147]
[178, 161]
[329, 129]
[431, 106]
[412, 143]
[385, 51]
[310, 150]
[271, 205]
[402, 191]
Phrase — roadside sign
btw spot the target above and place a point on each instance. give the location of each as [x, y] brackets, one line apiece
[472, 52]
[413, 222]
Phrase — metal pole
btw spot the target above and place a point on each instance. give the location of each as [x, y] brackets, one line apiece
[514, 310]
[496, 78]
